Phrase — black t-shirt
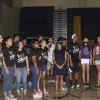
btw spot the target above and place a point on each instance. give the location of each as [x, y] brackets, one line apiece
[73, 49]
[44, 56]
[21, 58]
[9, 57]
[37, 53]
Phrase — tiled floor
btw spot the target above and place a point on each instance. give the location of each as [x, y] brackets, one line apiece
[87, 95]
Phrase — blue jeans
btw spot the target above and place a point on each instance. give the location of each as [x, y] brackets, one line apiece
[8, 79]
[35, 77]
[21, 74]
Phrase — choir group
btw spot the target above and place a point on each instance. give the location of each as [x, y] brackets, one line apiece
[45, 61]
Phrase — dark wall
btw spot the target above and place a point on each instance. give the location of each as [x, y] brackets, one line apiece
[1, 12]
[90, 21]
[36, 21]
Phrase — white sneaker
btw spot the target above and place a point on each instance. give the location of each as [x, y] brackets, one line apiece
[6, 98]
[64, 89]
[11, 97]
[53, 81]
[39, 92]
[37, 95]
[49, 81]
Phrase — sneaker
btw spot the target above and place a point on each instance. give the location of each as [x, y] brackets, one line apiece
[40, 92]
[49, 81]
[73, 86]
[37, 95]
[84, 85]
[6, 98]
[45, 92]
[12, 97]
[53, 81]
[77, 86]
[88, 85]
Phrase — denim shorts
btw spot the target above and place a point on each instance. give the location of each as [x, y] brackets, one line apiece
[97, 62]
[43, 68]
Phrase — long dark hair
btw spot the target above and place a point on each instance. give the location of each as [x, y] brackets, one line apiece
[59, 42]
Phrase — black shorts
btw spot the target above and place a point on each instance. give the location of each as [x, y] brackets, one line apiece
[76, 67]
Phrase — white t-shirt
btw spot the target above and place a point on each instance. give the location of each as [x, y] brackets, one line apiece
[50, 53]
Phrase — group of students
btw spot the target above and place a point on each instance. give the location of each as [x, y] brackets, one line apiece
[45, 59]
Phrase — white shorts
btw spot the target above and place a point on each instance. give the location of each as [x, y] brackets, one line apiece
[97, 62]
[50, 65]
[85, 61]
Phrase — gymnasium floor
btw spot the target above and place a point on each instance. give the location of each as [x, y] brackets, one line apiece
[88, 95]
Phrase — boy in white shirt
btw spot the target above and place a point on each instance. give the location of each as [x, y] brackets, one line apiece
[51, 48]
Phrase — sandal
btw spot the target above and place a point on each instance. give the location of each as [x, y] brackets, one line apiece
[56, 91]
[61, 91]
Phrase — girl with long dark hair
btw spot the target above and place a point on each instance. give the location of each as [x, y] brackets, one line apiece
[59, 58]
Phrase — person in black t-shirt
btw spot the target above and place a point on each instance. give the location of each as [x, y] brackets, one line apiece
[35, 63]
[73, 48]
[22, 67]
[8, 68]
[44, 56]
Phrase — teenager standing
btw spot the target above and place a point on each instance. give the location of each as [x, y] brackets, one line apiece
[59, 58]
[73, 48]
[43, 68]
[51, 48]
[86, 61]
[35, 63]
[22, 67]
[8, 68]
[96, 59]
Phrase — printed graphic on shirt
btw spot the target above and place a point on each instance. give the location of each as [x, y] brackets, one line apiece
[86, 51]
[44, 55]
[75, 49]
[12, 55]
[21, 58]
[97, 49]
